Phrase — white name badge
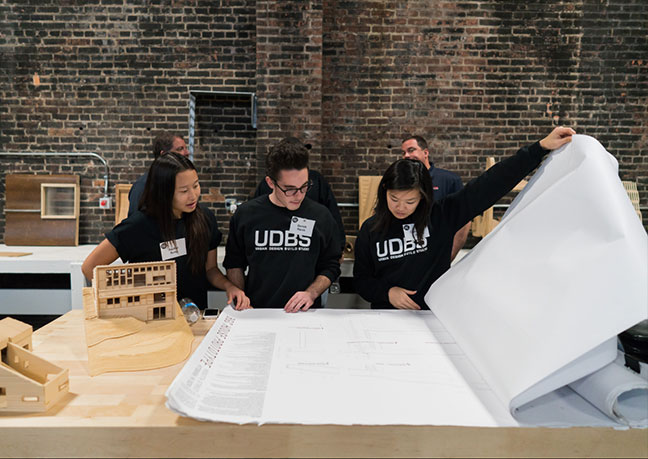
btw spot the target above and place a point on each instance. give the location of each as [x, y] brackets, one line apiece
[169, 250]
[409, 232]
[301, 226]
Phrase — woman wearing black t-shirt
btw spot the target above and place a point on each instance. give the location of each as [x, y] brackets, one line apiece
[170, 212]
[406, 245]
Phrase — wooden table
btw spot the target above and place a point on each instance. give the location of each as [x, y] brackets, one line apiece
[123, 415]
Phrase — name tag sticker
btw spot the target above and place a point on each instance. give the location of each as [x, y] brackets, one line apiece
[173, 249]
[302, 226]
[409, 232]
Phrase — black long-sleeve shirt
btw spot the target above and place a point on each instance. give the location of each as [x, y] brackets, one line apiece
[395, 259]
[281, 262]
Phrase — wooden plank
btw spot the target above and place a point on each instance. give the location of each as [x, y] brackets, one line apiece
[30, 229]
[121, 201]
[367, 194]
[23, 190]
[15, 254]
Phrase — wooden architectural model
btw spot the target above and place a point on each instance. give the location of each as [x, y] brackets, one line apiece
[27, 382]
[146, 291]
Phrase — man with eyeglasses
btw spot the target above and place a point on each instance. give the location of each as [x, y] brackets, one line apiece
[164, 142]
[320, 191]
[285, 240]
[443, 182]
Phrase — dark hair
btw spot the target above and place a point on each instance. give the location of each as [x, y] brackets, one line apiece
[157, 202]
[405, 174]
[419, 140]
[288, 154]
[163, 143]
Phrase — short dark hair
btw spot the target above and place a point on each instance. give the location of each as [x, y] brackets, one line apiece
[163, 143]
[290, 153]
[404, 174]
[422, 143]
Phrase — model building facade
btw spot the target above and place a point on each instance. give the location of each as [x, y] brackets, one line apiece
[27, 382]
[146, 291]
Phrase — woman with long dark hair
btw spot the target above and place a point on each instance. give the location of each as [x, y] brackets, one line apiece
[171, 216]
[406, 245]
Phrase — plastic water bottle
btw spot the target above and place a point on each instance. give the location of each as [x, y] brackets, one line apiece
[190, 310]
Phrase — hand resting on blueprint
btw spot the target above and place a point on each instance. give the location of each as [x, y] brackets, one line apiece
[303, 300]
[400, 298]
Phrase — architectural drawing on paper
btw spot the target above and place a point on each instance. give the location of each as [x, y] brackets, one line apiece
[146, 291]
[27, 382]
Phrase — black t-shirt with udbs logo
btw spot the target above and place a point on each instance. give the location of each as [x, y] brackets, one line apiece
[284, 250]
[396, 259]
[138, 239]
[320, 192]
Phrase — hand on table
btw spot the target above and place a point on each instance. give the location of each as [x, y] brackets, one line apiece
[299, 301]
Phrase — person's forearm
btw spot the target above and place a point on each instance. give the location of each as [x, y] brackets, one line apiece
[217, 279]
[235, 275]
[459, 240]
[104, 254]
[318, 286]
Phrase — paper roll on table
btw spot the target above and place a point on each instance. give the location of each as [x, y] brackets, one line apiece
[618, 392]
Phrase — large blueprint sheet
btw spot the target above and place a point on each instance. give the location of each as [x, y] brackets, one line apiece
[349, 367]
[333, 367]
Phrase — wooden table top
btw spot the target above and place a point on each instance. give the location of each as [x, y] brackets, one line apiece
[124, 415]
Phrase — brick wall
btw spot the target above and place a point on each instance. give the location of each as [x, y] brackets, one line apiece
[481, 78]
[476, 78]
[112, 73]
[225, 151]
[289, 74]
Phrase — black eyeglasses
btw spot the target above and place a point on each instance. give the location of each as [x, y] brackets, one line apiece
[293, 191]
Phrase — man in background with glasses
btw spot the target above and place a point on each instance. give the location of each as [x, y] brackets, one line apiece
[287, 242]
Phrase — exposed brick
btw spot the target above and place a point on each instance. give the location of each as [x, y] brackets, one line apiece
[476, 78]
